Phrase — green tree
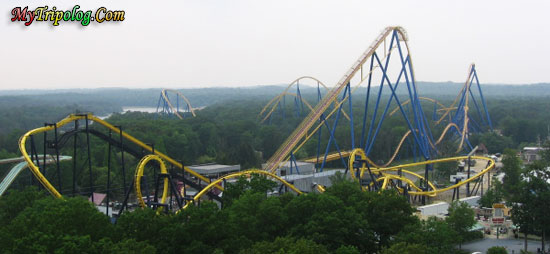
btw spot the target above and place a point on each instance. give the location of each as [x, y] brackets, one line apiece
[404, 248]
[271, 139]
[387, 214]
[206, 228]
[492, 196]
[541, 170]
[494, 142]
[4, 154]
[75, 244]
[126, 246]
[51, 224]
[522, 215]
[345, 215]
[530, 211]
[461, 219]
[347, 249]
[511, 166]
[145, 225]
[437, 235]
[13, 202]
[256, 184]
[257, 217]
[286, 245]
[325, 219]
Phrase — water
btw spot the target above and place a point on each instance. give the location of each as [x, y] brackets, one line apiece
[139, 109]
[133, 109]
[144, 109]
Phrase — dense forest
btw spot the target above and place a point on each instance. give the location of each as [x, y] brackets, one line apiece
[343, 220]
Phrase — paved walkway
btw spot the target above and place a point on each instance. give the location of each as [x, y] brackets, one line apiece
[511, 244]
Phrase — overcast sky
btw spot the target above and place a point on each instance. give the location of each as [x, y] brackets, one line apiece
[204, 43]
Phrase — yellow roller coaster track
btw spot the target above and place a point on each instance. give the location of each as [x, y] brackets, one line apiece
[238, 174]
[335, 155]
[466, 86]
[359, 152]
[175, 110]
[386, 177]
[73, 117]
[448, 110]
[490, 165]
[139, 174]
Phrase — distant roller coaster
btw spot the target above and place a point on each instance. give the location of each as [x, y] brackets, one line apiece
[166, 106]
[279, 101]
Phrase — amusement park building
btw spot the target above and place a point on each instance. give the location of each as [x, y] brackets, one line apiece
[530, 154]
[214, 171]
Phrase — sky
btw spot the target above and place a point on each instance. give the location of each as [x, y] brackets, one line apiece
[212, 43]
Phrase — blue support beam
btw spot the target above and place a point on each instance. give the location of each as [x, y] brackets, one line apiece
[483, 101]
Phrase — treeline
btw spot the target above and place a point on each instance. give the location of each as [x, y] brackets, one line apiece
[121, 97]
[16, 120]
[342, 220]
[26, 109]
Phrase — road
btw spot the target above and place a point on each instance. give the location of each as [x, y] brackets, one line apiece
[512, 245]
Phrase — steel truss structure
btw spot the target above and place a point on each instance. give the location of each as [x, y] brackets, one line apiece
[384, 69]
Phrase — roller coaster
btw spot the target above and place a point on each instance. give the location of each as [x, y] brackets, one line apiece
[168, 107]
[373, 67]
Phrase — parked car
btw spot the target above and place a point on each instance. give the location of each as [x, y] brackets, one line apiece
[503, 230]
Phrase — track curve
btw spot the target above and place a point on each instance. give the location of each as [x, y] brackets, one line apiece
[273, 103]
[139, 174]
[216, 182]
[490, 165]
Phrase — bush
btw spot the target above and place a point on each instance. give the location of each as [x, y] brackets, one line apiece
[497, 250]
[474, 235]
